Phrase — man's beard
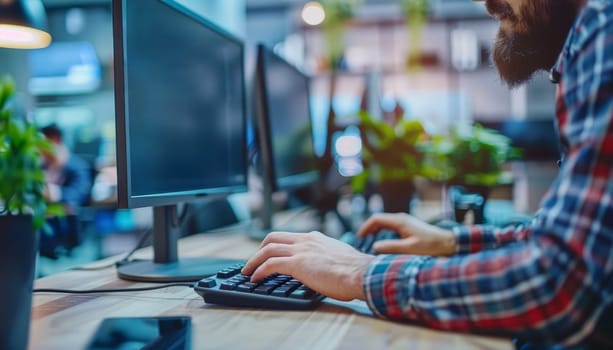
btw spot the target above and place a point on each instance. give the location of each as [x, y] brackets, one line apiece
[518, 55]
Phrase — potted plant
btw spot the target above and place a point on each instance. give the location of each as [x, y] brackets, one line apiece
[338, 14]
[416, 16]
[392, 159]
[469, 161]
[22, 214]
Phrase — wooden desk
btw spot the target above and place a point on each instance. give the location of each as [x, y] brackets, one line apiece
[61, 321]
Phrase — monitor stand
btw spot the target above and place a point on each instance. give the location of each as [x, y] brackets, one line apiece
[166, 265]
[292, 220]
[264, 226]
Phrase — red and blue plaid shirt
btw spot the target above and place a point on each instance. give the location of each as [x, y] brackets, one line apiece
[551, 281]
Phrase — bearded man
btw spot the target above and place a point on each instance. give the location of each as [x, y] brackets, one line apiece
[549, 283]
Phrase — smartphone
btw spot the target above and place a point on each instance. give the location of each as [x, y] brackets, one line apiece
[150, 333]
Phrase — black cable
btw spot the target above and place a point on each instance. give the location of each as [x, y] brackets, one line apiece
[139, 245]
[96, 268]
[185, 213]
[143, 238]
[93, 291]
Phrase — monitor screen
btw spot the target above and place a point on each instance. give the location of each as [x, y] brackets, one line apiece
[180, 123]
[180, 106]
[538, 139]
[284, 122]
[287, 158]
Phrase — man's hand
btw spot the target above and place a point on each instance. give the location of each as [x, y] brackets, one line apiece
[324, 264]
[52, 193]
[419, 237]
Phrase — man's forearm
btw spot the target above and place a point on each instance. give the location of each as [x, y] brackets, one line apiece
[520, 290]
[473, 239]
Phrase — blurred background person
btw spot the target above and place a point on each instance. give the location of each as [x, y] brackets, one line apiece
[68, 182]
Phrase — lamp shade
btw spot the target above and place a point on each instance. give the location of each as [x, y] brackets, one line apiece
[22, 24]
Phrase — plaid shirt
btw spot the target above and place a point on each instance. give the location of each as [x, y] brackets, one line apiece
[550, 281]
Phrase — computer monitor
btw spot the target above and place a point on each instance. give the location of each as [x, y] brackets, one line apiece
[537, 139]
[283, 122]
[180, 123]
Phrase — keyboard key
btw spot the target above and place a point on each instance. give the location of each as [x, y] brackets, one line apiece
[283, 279]
[244, 288]
[365, 244]
[282, 291]
[263, 289]
[251, 285]
[226, 273]
[227, 285]
[207, 283]
[238, 280]
[301, 294]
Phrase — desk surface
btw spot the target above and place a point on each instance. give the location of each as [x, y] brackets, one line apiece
[61, 321]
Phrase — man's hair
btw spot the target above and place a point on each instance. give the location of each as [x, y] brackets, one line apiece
[52, 131]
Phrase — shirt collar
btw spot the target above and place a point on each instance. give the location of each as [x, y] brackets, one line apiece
[555, 73]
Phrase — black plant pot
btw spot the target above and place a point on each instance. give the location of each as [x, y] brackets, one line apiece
[18, 247]
[397, 195]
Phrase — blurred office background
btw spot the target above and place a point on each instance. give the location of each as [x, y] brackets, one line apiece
[70, 84]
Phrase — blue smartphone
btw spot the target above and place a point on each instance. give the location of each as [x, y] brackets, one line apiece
[150, 333]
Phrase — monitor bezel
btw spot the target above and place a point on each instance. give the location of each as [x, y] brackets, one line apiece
[265, 132]
[124, 180]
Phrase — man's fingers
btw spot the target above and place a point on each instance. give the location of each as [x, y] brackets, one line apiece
[392, 246]
[271, 250]
[278, 237]
[373, 225]
[283, 238]
[270, 266]
[381, 221]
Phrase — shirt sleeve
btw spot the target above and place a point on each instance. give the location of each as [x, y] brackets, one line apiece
[472, 239]
[77, 183]
[554, 285]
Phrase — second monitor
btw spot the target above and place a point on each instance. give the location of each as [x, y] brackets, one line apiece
[283, 118]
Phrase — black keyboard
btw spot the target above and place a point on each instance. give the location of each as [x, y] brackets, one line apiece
[230, 287]
[365, 244]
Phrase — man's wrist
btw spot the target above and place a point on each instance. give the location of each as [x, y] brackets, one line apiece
[355, 281]
[451, 244]
[444, 242]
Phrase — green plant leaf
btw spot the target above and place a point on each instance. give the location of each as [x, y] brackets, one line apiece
[391, 152]
[338, 14]
[7, 89]
[55, 209]
[473, 155]
[358, 182]
[23, 179]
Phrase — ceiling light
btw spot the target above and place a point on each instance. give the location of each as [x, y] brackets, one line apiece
[313, 13]
[22, 24]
